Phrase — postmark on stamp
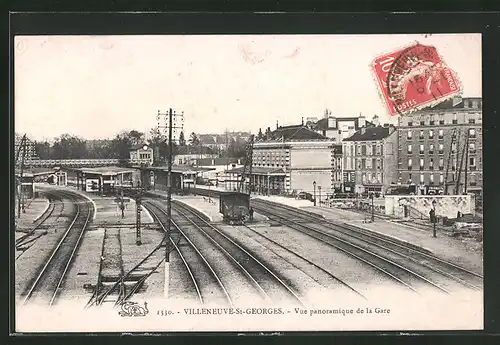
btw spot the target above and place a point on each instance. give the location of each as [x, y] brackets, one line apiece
[413, 78]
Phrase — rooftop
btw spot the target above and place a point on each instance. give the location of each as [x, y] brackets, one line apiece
[138, 146]
[370, 133]
[295, 132]
[177, 168]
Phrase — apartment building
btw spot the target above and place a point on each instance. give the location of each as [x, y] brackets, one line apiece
[440, 148]
[370, 159]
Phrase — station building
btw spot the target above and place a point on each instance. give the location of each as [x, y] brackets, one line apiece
[142, 152]
[290, 160]
[103, 180]
[442, 145]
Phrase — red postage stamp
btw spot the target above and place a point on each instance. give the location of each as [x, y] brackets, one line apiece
[414, 78]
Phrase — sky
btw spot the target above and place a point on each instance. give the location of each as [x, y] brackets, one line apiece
[97, 86]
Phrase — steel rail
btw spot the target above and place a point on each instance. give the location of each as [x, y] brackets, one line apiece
[182, 206]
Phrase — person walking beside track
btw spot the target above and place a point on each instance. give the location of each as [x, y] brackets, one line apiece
[250, 212]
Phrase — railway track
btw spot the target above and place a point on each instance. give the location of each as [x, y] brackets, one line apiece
[45, 287]
[390, 268]
[331, 282]
[25, 242]
[266, 283]
[206, 284]
[418, 263]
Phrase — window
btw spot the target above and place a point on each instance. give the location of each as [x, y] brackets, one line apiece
[453, 147]
[474, 104]
[441, 163]
[368, 163]
[374, 163]
[379, 178]
[369, 176]
[421, 136]
[472, 147]
[454, 121]
[431, 178]
[374, 149]
[180, 161]
[421, 178]
[359, 150]
[441, 148]
[409, 148]
[472, 161]
[358, 163]
[421, 151]
[431, 164]
[472, 121]
[421, 164]
[431, 120]
[441, 133]
[409, 164]
[408, 136]
[410, 123]
[363, 163]
[441, 178]
[409, 177]
[441, 119]
[422, 123]
[473, 179]
[431, 148]
[364, 177]
[352, 150]
[472, 133]
[431, 134]
[378, 164]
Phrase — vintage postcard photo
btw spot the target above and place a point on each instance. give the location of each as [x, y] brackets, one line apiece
[234, 183]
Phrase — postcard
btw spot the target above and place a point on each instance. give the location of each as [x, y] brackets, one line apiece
[248, 183]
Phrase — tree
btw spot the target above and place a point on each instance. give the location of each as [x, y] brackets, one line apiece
[69, 147]
[136, 137]
[182, 140]
[194, 140]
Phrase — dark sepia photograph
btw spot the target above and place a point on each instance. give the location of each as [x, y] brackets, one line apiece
[247, 183]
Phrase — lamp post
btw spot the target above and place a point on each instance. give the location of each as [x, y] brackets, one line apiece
[314, 186]
[434, 218]
[373, 215]
[319, 197]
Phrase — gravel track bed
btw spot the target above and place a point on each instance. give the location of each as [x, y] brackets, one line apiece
[327, 283]
[282, 263]
[363, 278]
[445, 282]
[32, 260]
[239, 287]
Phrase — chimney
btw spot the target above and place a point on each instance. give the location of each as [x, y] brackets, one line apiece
[332, 122]
[375, 120]
[276, 124]
[363, 130]
[302, 120]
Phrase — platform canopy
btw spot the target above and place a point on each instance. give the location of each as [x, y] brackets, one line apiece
[179, 169]
[259, 171]
[105, 171]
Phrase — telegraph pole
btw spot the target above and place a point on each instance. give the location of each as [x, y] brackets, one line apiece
[171, 128]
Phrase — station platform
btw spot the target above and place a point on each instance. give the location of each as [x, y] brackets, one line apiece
[205, 205]
[33, 210]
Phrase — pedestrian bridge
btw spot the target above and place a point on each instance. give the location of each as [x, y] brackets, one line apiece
[68, 163]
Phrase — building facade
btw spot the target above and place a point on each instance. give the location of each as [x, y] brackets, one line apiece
[304, 155]
[370, 160]
[339, 128]
[142, 152]
[440, 148]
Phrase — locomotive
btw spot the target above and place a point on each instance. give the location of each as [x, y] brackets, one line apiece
[234, 207]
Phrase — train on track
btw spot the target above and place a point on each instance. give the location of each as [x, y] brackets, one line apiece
[234, 207]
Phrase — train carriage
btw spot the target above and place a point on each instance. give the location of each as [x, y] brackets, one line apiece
[234, 207]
